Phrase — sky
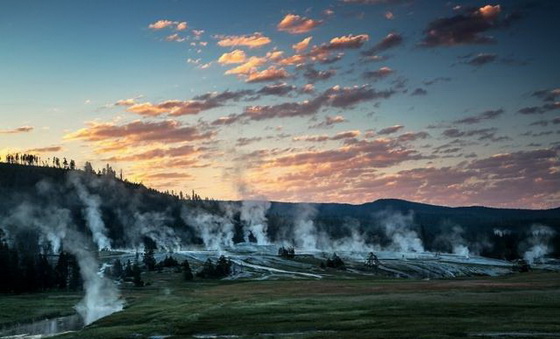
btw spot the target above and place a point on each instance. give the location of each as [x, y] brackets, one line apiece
[444, 102]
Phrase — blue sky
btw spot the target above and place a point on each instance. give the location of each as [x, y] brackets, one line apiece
[453, 103]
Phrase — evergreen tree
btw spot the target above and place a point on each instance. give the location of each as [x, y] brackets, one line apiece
[117, 269]
[223, 267]
[128, 270]
[137, 275]
[149, 260]
[187, 272]
[61, 271]
[75, 278]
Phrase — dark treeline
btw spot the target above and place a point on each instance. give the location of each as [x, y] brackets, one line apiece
[24, 273]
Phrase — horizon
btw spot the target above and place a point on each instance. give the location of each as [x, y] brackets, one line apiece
[187, 196]
[349, 101]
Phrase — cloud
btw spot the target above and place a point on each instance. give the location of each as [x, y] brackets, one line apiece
[280, 89]
[270, 74]
[465, 28]
[50, 149]
[481, 59]
[234, 57]
[330, 121]
[346, 135]
[22, 129]
[161, 24]
[540, 109]
[295, 59]
[252, 41]
[302, 45]
[307, 88]
[274, 55]
[248, 67]
[181, 26]
[314, 75]
[174, 37]
[158, 153]
[348, 41]
[126, 102]
[379, 74]
[378, 153]
[246, 141]
[346, 97]
[311, 138]
[412, 136]
[486, 115]
[436, 80]
[419, 91]
[173, 107]
[390, 130]
[337, 96]
[547, 95]
[295, 24]
[188, 107]
[284, 110]
[111, 136]
[390, 41]
[481, 134]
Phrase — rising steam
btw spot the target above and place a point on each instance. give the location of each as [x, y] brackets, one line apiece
[539, 240]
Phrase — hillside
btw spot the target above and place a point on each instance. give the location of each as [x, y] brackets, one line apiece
[135, 215]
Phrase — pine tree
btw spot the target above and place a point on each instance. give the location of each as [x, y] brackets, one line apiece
[61, 271]
[187, 272]
[149, 260]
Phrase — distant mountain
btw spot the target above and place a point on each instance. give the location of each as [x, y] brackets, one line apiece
[472, 216]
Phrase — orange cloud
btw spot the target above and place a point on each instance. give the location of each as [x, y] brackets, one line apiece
[248, 67]
[274, 55]
[270, 74]
[489, 11]
[295, 59]
[295, 24]
[302, 45]
[110, 136]
[181, 26]
[348, 41]
[235, 57]
[252, 41]
[146, 108]
[160, 24]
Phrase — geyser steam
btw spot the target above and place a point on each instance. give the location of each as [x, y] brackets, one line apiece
[539, 240]
[54, 225]
[92, 213]
[398, 228]
[253, 215]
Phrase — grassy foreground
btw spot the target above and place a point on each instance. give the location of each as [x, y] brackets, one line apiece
[331, 308]
[522, 303]
[37, 306]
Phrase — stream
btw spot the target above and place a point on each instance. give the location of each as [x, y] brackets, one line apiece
[43, 328]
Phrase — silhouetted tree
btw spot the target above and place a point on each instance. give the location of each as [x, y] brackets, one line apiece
[149, 260]
[187, 272]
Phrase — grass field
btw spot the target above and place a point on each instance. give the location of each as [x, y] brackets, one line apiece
[526, 304]
[521, 304]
